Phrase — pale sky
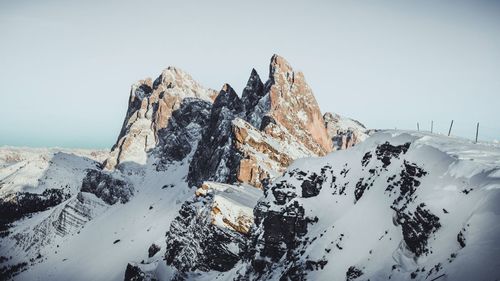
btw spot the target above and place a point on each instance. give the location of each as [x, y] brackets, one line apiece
[66, 66]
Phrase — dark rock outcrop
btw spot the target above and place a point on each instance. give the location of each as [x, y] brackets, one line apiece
[283, 122]
[153, 249]
[183, 132]
[195, 243]
[216, 159]
[134, 273]
[280, 231]
[417, 227]
[386, 151]
[252, 94]
[353, 273]
[111, 190]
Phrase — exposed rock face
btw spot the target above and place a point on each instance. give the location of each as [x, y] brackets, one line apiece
[252, 94]
[344, 132]
[281, 226]
[210, 231]
[153, 249]
[216, 159]
[283, 123]
[134, 273]
[183, 132]
[266, 154]
[292, 104]
[151, 105]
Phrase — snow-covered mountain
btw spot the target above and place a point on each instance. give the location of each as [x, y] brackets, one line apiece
[33, 180]
[207, 185]
[400, 206]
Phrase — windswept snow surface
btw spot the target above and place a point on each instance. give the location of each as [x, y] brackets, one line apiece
[400, 206]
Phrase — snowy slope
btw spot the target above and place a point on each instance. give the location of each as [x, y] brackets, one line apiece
[400, 206]
[341, 232]
[90, 253]
[36, 169]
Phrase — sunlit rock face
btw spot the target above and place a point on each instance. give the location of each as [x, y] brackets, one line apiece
[231, 139]
[211, 230]
[151, 104]
[253, 139]
[292, 104]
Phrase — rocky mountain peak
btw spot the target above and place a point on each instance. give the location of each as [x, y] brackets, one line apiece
[279, 64]
[176, 81]
[284, 122]
[253, 91]
[292, 104]
[228, 98]
[253, 139]
[151, 105]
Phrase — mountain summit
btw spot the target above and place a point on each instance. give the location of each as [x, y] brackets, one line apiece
[247, 140]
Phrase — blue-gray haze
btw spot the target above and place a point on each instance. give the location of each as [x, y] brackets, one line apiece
[66, 66]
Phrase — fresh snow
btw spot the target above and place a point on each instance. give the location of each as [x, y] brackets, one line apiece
[462, 188]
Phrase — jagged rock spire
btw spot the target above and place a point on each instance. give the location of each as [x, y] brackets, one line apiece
[283, 108]
[215, 159]
[253, 91]
[227, 98]
[292, 104]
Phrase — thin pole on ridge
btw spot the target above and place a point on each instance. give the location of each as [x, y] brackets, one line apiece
[477, 130]
[451, 125]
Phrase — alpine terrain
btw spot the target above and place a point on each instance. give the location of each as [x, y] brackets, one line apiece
[215, 185]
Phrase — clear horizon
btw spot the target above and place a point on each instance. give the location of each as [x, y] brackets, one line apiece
[67, 67]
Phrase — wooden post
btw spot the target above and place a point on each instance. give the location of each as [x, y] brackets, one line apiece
[418, 127]
[477, 130]
[451, 125]
[432, 126]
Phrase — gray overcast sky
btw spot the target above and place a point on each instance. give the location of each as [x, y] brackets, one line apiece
[66, 66]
